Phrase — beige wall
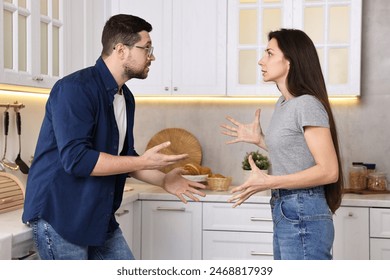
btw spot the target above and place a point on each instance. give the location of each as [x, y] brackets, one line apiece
[363, 126]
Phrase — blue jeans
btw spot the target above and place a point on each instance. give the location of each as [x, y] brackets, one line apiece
[51, 246]
[303, 224]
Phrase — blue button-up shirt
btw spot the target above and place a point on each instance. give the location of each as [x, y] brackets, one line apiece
[79, 123]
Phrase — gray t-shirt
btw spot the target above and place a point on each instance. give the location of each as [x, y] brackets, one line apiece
[287, 148]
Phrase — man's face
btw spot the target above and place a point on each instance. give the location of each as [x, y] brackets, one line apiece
[139, 58]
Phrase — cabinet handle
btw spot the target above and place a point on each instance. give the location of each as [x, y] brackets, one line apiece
[259, 219]
[175, 88]
[254, 253]
[350, 214]
[182, 209]
[166, 88]
[38, 78]
[124, 212]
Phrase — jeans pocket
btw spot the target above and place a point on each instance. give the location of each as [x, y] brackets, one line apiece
[289, 210]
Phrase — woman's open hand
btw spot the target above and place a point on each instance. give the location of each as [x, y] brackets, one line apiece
[256, 182]
[249, 133]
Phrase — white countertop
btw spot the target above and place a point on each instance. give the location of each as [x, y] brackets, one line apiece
[12, 228]
[353, 200]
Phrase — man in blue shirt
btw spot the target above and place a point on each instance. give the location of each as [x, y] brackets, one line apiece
[85, 151]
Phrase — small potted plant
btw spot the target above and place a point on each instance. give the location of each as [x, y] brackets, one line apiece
[260, 160]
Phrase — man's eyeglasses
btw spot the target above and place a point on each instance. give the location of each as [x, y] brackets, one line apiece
[148, 49]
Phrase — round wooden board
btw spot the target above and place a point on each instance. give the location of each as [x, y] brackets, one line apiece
[182, 142]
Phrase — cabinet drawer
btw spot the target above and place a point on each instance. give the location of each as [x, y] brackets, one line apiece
[379, 249]
[219, 245]
[380, 222]
[246, 217]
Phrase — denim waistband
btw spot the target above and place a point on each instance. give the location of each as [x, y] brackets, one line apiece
[284, 192]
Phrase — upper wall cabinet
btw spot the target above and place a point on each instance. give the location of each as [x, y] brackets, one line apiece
[31, 42]
[44, 40]
[189, 39]
[333, 25]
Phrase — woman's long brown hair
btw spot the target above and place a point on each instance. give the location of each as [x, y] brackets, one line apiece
[305, 77]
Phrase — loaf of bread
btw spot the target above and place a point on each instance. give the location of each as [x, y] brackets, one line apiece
[196, 169]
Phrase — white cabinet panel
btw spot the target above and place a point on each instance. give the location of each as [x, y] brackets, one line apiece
[379, 249]
[125, 217]
[189, 39]
[244, 232]
[222, 245]
[129, 218]
[247, 217]
[33, 40]
[351, 234]
[171, 230]
[334, 27]
[380, 222]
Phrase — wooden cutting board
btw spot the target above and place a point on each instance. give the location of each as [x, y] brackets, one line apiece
[182, 142]
[11, 193]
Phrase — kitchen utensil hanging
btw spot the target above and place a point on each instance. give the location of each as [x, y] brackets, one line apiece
[22, 165]
[4, 162]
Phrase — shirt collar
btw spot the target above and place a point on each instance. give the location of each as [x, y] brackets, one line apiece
[108, 80]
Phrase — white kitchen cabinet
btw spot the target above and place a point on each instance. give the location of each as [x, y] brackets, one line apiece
[189, 39]
[379, 234]
[379, 249]
[334, 27]
[32, 42]
[48, 39]
[234, 245]
[244, 232]
[171, 230]
[129, 218]
[351, 234]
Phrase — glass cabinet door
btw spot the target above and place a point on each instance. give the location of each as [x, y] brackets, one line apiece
[333, 25]
[16, 16]
[50, 31]
[335, 28]
[32, 39]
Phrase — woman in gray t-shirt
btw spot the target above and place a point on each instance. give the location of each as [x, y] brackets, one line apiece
[306, 176]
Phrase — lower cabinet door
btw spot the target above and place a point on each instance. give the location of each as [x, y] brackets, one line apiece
[171, 230]
[351, 234]
[219, 245]
[379, 249]
[124, 216]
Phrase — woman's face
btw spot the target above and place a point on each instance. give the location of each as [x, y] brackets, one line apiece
[274, 65]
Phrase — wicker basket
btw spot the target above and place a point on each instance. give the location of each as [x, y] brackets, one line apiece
[219, 184]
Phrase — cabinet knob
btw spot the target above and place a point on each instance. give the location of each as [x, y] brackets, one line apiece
[166, 88]
[175, 89]
[350, 214]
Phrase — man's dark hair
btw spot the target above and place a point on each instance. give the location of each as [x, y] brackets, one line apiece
[124, 29]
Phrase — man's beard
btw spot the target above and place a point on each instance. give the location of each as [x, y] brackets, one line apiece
[137, 74]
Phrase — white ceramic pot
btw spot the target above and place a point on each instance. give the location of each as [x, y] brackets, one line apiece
[247, 173]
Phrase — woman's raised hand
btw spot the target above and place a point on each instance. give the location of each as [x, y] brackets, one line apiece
[249, 133]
